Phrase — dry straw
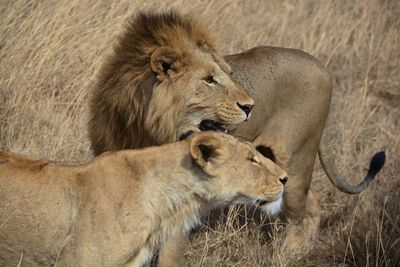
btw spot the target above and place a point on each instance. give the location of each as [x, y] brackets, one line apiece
[50, 51]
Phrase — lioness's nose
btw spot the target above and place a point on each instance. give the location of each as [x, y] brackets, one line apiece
[246, 108]
[283, 180]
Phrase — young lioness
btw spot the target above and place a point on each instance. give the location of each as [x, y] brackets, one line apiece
[116, 209]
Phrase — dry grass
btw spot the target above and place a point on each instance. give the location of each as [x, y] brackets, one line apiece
[50, 51]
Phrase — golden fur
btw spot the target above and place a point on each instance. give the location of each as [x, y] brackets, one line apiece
[160, 72]
[116, 209]
[292, 94]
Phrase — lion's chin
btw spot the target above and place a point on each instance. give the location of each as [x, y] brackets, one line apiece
[185, 132]
[209, 125]
[185, 135]
[205, 125]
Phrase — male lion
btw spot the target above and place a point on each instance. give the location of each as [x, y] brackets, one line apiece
[163, 79]
[166, 79]
[116, 209]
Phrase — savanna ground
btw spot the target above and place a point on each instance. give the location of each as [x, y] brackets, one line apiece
[50, 51]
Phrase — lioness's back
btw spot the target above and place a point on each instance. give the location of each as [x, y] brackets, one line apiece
[29, 201]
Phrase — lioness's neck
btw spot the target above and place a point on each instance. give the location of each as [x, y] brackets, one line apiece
[174, 191]
[174, 181]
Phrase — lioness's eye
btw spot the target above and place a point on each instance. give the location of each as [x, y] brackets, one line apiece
[210, 79]
[254, 159]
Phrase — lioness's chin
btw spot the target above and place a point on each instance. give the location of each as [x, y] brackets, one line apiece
[273, 208]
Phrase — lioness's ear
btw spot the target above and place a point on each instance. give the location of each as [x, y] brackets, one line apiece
[208, 151]
[164, 62]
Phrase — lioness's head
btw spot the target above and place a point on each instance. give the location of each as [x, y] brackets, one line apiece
[237, 171]
[163, 79]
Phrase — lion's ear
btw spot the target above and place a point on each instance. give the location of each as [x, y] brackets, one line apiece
[164, 62]
[208, 150]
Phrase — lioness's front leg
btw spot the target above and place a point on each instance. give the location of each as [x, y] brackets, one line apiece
[301, 208]
[302, 212]
[173, 252]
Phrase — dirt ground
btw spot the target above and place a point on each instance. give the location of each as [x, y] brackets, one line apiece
[51, 50]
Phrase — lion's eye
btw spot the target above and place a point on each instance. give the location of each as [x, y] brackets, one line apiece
[254, 159]
[210, 79]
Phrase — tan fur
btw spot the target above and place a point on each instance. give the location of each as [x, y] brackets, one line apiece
[292, 94]
[118, 208]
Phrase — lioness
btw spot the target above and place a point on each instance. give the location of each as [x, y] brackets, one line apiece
[116, 209]
[165, 79]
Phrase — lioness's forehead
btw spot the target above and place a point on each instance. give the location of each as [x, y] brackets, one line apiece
[247, 145]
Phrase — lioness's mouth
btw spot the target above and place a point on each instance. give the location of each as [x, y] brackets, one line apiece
[209, 125]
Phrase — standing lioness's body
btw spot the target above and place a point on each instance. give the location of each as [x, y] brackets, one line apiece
[117, 209]
[292, 95]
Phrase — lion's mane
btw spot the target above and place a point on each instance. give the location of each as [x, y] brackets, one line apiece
[121, 96]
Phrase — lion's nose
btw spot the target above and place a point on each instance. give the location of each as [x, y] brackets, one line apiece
[283, 180]
[246, 108]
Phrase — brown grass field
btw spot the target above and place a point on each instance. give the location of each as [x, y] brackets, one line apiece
[50, 52]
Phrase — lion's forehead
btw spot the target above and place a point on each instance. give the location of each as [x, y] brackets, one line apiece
[206, 63]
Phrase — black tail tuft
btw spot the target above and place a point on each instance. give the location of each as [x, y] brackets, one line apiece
[377, 162]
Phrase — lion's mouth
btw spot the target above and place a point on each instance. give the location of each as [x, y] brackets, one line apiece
[205, 125]
[209, 125]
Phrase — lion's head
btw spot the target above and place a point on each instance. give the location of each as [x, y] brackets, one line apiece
[163, 79]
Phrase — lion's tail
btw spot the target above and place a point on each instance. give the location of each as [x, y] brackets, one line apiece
[327, 162]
